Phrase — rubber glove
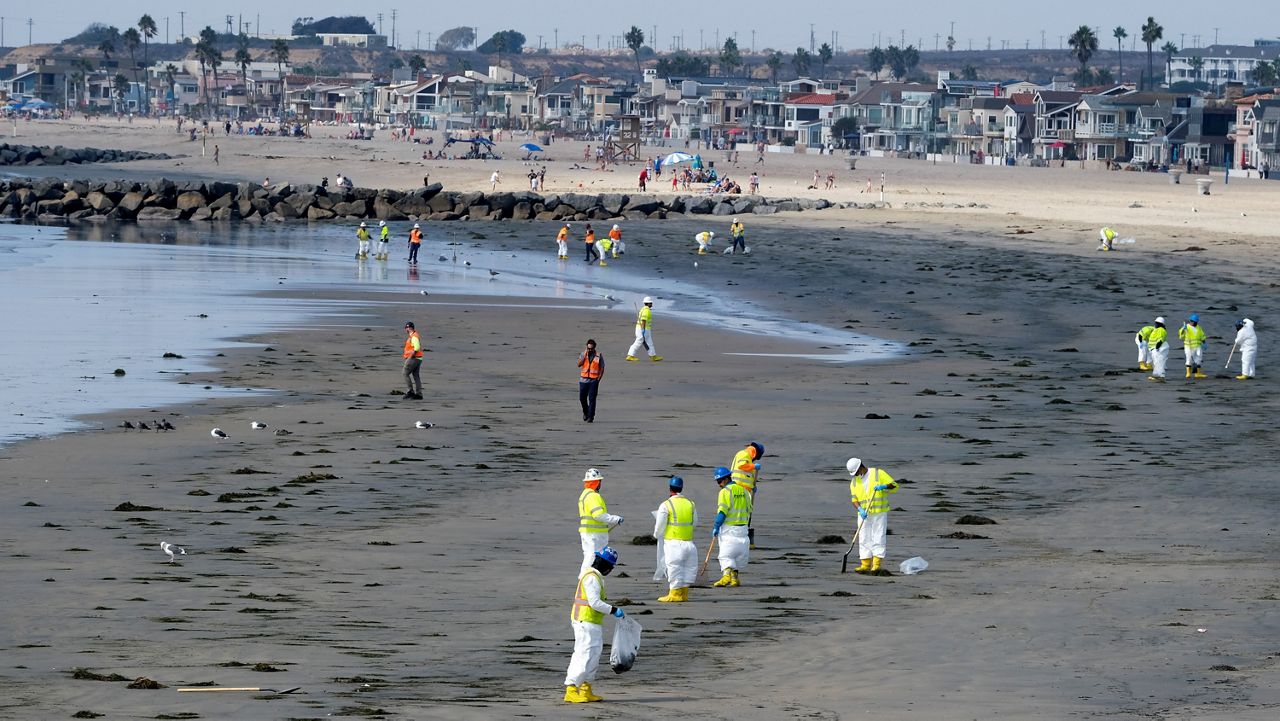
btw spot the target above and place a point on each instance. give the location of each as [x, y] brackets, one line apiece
[619, 520]
[862, 513]
[618, 613]
[882, 487]
[757, 468]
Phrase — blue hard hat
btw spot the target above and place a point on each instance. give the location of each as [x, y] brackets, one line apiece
[722, 472]
[1194, 318]
[608, 555]
[676, 483]
[759, 449]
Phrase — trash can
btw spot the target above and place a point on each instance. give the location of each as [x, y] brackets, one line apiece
[1175, 177]
[1202, 186]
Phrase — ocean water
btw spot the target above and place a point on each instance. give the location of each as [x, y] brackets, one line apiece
[81, 302]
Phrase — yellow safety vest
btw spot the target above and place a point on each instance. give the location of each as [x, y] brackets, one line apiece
[591, 503]
[1145, 332]
[646, 315]
[735, 503]
[744, 469]
[1192, 335]
[1109, 233]
[582, 610]
[1158, 336]
[385, 235]
[863, 489]
[679, 519]
[737, 230]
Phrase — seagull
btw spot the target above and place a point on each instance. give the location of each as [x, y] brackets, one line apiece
[424, 292]
[467, 263]
[492, 273]
[422, 425]
[695, 264]
[171, 549]
[444, 259]
[283, 432]
[142, 426]
[218, 433]
[127, 424]
[1193, 209]
[167, 425]
[257, 426]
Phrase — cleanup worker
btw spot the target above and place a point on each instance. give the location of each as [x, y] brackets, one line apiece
[590, 371]
[384, 241]
[1108, 237]
[615, 235]
[1193, 339]
[677, 556]
[606, 245]
[1144, 351]
[589, 610]
[594, 519]
[733, 511]
[870, 488]
[1158, 344]
[746, 472]
[412, 363]
[644, 333]
[562, 243]
[590, 240]
[704, 241]
[1247, 342]
[362, 244]
[738, 232]
[415, 244]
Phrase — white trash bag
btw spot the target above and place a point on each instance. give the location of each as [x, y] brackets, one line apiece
[626, 642]
[912, 566]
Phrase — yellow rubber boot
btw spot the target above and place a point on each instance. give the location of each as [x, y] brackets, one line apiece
[1243, 377]
[655, 358]
[684, 594]
[1199, 373]
[725, 580]
[587, 695]
[864, 566]
[573, 695]
[875, 564]
[672, 596]
[1188, 372]
[632, 358]
[734, 581]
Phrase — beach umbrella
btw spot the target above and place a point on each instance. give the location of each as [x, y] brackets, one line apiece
[677, 158]
[531, 148]
[38, 104]
[1058, 145]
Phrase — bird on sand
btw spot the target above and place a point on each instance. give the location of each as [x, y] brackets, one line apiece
[283, 432]
[167, 425]
[218, 433]
[142, 426]
[127, 425]
[492, 273]
[422, 425]
[171, 549]
[256, 425]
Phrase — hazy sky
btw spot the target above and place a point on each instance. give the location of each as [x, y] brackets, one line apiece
[1016, 22]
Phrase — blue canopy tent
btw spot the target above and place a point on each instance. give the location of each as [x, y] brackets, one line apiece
[480, 147]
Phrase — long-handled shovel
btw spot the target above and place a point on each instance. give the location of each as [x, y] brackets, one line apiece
[1230, 355]
[702, 570]
[844, 564]
[215, 689]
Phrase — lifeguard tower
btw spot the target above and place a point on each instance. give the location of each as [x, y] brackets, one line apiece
[625, 146]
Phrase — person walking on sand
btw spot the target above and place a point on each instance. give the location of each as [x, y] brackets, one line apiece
[615, 238]
[745, 467]
[412, 363]
[644, 178]
[589, 609]
[562, 243]
[384, 241]
[591, 371]
[1193, 340]
[1158, 344]
[589, 238]
[673, 524]
[215, 154]
[870, 488]
[415, 244]
[362, 241]
[644, 333]
[1144, 350]
[1247, 342]
[738, 234]
[494, 180]
[733, 511]
[594, 519]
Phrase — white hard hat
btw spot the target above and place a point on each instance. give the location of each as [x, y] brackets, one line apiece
[712, 234]
[647, 300]
[615, 226]
[592, 475]
[735, 220]
[415, 225]
[852, 465]
[1160, 319]
[362, 224]
[381, 223]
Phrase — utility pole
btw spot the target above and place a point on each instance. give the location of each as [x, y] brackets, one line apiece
[417, 40]
[30, 22]
[936, 38]
[229, 19]
[753, 42]
[902, 39]
[811, 48]
[1182, 41]
[182, 24]
[557, 32]
[1042, 40]
[1, 31]
[393, 27]
[1215, 36]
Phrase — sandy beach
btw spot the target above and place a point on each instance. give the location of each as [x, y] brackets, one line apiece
[392, 572]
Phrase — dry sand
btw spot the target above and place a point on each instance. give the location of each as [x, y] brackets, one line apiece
[430, 577]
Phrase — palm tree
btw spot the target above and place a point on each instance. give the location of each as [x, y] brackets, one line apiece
[730, 56]
[242, 59]
[416, 64]
[148, 28]
[1120, 34]
[106, 47]
[1151, 34]
[132, 40]
[1169, 50]
[280, 54]
[121, 84]
[800, 61]
[170, 76]
[1264, 73]
[635, 41]
[1197, 65]
[1083, 45]
[774, 64]
[825, 53]
[875, 61]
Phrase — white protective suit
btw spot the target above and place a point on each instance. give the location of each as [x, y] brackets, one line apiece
[1144, 351]
[592, 542]
[677, 560]
[1159, 357]
[588, 638]
[704, 240]
[1247, 344]
[735, 547]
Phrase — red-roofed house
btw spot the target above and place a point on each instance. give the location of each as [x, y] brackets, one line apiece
[808, 117]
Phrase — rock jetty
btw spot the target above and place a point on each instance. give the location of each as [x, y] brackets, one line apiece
[44, 155]
[56, 200]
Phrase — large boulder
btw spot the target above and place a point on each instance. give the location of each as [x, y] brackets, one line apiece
[384, 210]
[156, 213]
[613, 202]
[788, 205]
[440, 203]
[190, 200]
[643, 203]
[300, 202]
[224, 201]
[699, 206]
[357, 208]
[284, 210]
[72, 202]
[49, 207]
[723, 208]
[202, 213]
[317, 213]
[131, 203]
[522, 210]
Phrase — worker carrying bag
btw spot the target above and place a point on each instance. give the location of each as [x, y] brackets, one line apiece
[626, 642]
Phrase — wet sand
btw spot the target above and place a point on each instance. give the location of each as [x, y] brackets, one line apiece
[407, 573]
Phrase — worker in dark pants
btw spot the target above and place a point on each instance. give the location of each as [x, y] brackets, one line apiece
[591, 370]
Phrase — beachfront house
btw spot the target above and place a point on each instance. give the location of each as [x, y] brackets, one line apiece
[1205, 135]
[976, 128]
[1216, 65]
[807, 117]
[1267, 135]
[444, 102]
[1251, 130]
[895, 117]
[1119, 125]
[1055, 123]
[1019, 119]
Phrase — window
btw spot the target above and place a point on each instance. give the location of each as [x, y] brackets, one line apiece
[1106, 152]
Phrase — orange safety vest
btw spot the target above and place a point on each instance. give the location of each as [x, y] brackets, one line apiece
[415, 236]
[591, 237]
[591, 367]
[615, 234]
[409, 351]
[563, 234]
